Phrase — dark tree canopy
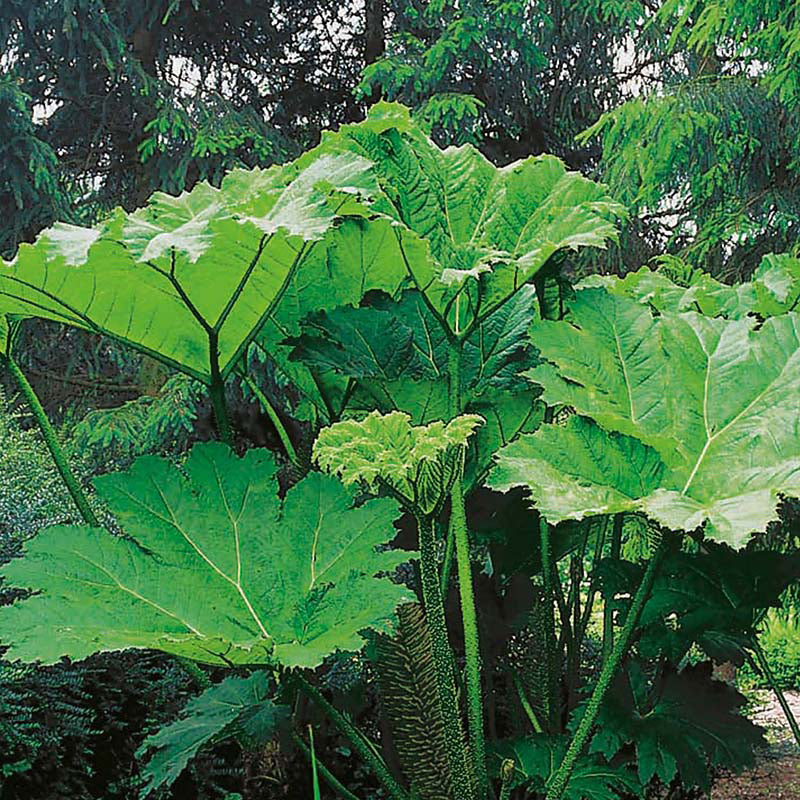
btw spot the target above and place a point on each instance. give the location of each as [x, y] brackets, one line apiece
[688, 111]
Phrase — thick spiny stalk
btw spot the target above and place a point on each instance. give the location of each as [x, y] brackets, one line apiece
[551, 655]
[558, 784]
[477, 740]
[51, 440]
[608, 611]
[458, 525]
[443, 660]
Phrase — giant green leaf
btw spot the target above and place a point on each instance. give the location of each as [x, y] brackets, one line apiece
[234, 706]
[697, 417]
[489, 230]
[190, 279]
[217, 568]
[463, 233]
[698, 292]
[773, 289]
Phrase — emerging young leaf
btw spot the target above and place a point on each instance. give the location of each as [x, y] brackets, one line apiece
[232, 707]
[418, 462]
[407, 678]
[217, 568]
[708, 409]
[677, 726]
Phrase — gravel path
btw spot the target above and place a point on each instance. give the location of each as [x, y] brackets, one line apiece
[777, 775]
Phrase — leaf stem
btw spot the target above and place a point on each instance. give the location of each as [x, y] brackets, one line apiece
[270, 411]
[551, 658]
[326, 774]
[51, 440]
[469, 618]
[443, 660]
[360, 743]
[526, 703]
[558, 784]
[477, 738]
[608, 611]
[447, 562]
[216, 391]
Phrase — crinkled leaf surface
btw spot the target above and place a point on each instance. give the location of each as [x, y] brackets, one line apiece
[678, 726]
[537, 757]
[419, 462]
[448, 223]
[488, 230]
[704, 417]
[221, 711]
[218, 568]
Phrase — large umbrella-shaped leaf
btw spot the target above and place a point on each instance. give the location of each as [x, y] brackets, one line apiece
[488, 230]
[190, 279]
[698, 418]
[218, 568]
[447, 223]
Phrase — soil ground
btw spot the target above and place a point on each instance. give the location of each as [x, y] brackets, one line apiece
[777, 774]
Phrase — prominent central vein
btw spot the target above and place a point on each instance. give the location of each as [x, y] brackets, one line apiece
[175, 524]
[709, 435]
[314, 543]
[624, 372]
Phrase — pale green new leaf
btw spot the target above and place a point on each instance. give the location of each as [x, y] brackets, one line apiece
[713, 405]
[218, 713]
[218, 568]
[417, 462]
